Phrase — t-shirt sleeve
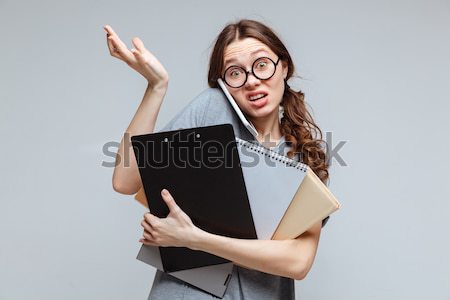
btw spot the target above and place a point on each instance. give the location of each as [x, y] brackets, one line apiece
[192, 115]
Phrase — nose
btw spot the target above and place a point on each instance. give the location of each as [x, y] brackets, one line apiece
[252, 80]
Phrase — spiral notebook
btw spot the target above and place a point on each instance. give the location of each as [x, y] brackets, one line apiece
[286, 197]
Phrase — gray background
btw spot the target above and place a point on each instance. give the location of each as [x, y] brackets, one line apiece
[375, 74]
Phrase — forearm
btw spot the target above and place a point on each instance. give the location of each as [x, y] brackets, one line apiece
[279, 257]
[126, 177]
[289, 258]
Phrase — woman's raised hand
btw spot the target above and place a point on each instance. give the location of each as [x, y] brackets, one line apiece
[138, 58]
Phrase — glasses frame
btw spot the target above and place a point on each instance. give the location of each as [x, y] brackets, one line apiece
[251, 71]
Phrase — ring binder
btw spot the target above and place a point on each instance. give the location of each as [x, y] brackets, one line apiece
[272, 154]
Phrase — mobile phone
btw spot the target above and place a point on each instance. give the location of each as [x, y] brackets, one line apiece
[236, 108]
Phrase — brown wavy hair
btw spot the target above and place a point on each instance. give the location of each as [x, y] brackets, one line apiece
[297, 124]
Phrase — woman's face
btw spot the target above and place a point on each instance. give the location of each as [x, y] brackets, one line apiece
[243, 53]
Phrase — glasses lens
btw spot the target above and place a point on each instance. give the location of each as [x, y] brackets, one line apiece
[264, 68]
[235, 76]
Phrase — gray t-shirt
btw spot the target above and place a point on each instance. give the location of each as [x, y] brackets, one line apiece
[212, 108]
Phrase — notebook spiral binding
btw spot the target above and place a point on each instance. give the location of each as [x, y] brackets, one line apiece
[272, 154]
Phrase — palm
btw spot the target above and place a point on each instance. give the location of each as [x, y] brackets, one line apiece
[139, 58]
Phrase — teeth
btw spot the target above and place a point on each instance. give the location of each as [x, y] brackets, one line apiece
[256, 97]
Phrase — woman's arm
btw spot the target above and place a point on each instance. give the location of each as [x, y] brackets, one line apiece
[288, 258]
[126, 179]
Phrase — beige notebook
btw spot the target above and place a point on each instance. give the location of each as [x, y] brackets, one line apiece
[312, 203]
[141, 198]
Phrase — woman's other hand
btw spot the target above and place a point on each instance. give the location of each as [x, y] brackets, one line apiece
[175, 230]
[138, 58]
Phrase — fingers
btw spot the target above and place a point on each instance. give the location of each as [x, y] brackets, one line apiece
[109, 35]
[138, 49]
[112, 41]
[147, 242]
[146, 226]
[149, 235]
[108, 29]
[113, 50]
[139, 55]
[116, 47]
[150, 222]
[171, 204]
[148, 231]
[138, 44]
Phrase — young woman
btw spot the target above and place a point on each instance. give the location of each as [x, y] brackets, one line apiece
[255, 65]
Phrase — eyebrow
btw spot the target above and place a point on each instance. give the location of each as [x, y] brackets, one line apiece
[252, 53]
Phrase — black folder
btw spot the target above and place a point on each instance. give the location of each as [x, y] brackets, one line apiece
[201, 169]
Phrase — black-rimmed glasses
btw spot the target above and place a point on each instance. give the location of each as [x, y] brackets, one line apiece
[263, 68]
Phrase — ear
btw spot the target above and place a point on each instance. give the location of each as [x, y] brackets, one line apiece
[285, 68]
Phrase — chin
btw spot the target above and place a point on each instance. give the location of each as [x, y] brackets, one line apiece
[263, 112]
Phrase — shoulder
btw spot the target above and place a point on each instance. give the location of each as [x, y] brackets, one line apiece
[202, 101]
[210, 107]
[198, 111]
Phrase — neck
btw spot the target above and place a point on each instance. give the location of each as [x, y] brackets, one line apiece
[268, 128]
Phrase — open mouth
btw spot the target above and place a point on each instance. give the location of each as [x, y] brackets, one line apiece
[257, 97]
